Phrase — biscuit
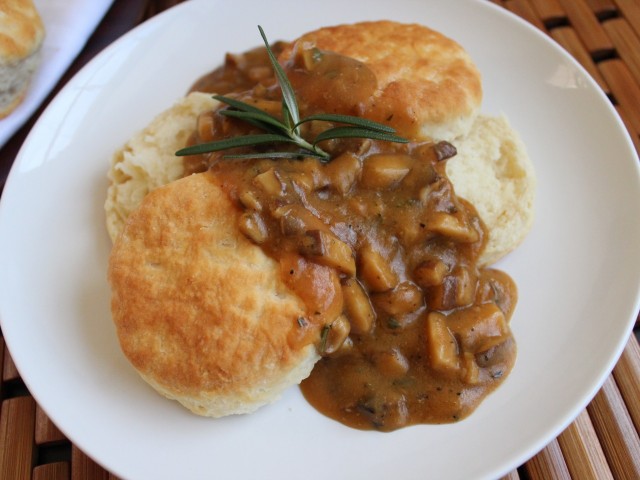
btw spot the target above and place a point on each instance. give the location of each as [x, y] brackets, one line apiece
[428, 85]
[492, 170]
[219, 347]
[21, 36]
[148, 160]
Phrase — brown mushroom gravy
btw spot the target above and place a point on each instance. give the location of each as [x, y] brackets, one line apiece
[376, 242]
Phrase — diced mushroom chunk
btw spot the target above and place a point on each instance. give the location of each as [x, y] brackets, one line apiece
[297, 220]
[466, 284]
[250, 200]
[270, 182]
[405, 298]
[357, 306]
[303, 180]
[252, 226]
[444, 150]
[452, 226]
[442, 345]
[470, 369]
[430, 272]
[334, 335]
[392, 363]
[479, 327]
[385, 170]
[326, 249]
[458, 289]
[343, 172]
[310, 57]
[376, 272]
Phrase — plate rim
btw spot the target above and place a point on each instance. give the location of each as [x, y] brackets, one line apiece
[157, 19]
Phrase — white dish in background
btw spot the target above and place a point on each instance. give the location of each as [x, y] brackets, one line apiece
[68, 25]
[578, 272]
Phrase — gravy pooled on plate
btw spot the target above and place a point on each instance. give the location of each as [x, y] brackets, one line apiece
[413, 330]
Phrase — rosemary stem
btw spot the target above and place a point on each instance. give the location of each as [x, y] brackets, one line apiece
[308, 146]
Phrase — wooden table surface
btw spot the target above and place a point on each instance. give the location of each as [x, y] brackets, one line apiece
[603, 442]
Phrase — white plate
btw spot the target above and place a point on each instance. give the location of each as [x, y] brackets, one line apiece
[578, 272]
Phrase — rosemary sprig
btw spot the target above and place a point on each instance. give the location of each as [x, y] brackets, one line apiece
[287, 129]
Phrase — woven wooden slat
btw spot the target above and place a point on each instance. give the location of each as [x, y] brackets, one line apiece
[630, 9]
[603, 8]
[582, 451]
[513, 475]
[627, 377]
[17, 449]
[550, 12]
[45, 431]
[52, 471]
[9, 370]
[626, 42]
[2, 349]
[625, 90]
[82, 467]
[549, 463]
[586, 24]
[615, 430]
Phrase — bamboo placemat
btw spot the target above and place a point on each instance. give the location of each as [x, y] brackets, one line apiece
[603, 442]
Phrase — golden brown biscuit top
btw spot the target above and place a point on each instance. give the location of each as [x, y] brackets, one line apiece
[197, 306]
[426, 81]
[21, 29]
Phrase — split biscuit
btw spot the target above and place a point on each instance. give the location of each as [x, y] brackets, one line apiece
[147, 160]
[428, 86]
[493, 171]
